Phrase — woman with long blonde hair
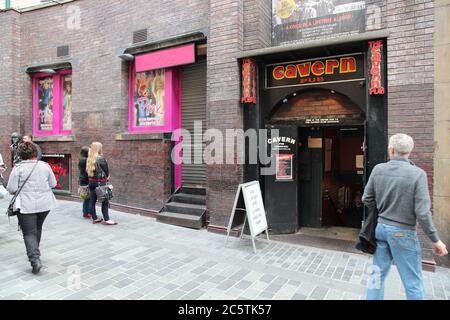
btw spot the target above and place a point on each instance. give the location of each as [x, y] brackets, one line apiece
[98, 173]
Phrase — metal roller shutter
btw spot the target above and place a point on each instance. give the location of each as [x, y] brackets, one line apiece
[194, 109]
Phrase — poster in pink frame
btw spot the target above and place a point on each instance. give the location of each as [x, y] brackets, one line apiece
[57, 98]
[171, 104]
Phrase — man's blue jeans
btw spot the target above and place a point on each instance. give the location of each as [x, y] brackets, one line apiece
[402, 246]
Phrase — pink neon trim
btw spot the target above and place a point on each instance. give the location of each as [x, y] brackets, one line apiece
[57, 104]
[177, 125]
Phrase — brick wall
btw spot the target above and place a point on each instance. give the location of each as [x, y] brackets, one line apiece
[257, 24]
[9, 91]
[318, 103]
[100, 79]
[224, 109]
[410, 79]
[140, 172]
[411, 76]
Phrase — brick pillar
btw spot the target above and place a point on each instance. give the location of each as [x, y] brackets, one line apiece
[411, 83]
[223, 107]
[9, 75]
[257, 24]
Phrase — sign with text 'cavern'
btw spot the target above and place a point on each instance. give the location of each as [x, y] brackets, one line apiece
[316, 71]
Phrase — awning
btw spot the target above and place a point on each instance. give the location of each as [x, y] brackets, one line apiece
[146, 47]
[166, 58]
[370, 35]
[56, 66]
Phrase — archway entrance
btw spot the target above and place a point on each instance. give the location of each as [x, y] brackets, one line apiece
[328, 164]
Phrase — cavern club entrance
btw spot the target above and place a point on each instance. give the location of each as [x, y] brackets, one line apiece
[329, 134]
[319, 162]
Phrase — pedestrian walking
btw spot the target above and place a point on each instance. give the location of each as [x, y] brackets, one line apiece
[84, 181]
[3, 191]
[398, 190]
[2, 167]
[2, 164]
[98, 172]
[29, 138]
[33, 180]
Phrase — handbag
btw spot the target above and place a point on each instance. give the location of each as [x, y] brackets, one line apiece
[104, 193]
[10, 211]
[83, 192]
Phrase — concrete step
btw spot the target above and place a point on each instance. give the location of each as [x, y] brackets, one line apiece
[189, 198]
[190, 190]
[186, 208]
[180, 219]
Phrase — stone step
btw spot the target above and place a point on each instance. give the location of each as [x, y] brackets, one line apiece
[197, 191]
[187, 208]
[189, 198]
[180, 219]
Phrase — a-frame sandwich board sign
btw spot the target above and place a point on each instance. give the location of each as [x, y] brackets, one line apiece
[253, 213]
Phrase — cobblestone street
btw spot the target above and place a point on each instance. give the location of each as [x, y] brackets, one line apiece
[143, 259]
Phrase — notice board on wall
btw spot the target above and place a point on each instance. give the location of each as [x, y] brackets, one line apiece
[249, 195]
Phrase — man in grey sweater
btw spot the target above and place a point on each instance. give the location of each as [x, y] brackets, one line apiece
[399, 191]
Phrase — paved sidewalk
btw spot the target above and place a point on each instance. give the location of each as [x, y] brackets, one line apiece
[143, 259]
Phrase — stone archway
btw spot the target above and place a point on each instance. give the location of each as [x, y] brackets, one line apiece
[317, 103]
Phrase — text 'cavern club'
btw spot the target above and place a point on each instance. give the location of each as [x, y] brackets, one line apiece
[318, 71]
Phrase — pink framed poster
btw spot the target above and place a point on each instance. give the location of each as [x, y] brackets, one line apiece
[52, 104]
[154, 101]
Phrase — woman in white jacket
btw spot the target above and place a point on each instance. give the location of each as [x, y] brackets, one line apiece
[34, 201]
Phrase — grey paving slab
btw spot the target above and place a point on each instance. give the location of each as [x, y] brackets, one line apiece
[142, 259]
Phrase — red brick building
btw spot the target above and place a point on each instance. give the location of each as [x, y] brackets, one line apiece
[99, 45]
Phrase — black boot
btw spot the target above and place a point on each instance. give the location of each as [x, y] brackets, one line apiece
[37, 265]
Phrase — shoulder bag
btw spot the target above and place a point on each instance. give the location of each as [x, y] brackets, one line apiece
[10, 212]
[83, 192]
[103, 193]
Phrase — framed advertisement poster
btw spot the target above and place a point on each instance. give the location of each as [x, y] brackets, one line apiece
[284, 167]
[303, 20]
[149, 93]
[45, 104]
[62, 169]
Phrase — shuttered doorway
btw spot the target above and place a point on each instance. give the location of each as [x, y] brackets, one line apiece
[194, 109]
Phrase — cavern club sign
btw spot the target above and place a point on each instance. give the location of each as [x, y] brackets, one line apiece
[315, 71]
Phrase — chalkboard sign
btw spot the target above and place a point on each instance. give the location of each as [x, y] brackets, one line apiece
[249, 196]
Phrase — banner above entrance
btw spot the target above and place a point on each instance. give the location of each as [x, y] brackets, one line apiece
[305, 20]
[313, 72]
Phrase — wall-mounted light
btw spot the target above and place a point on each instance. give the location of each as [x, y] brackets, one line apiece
[126, 57]
[332, 91]
[294, 94]
[285, 100]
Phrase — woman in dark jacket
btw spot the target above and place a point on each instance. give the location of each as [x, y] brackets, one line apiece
[98, 172]
[84, 179]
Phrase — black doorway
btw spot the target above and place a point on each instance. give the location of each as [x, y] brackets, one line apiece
[330, 176]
